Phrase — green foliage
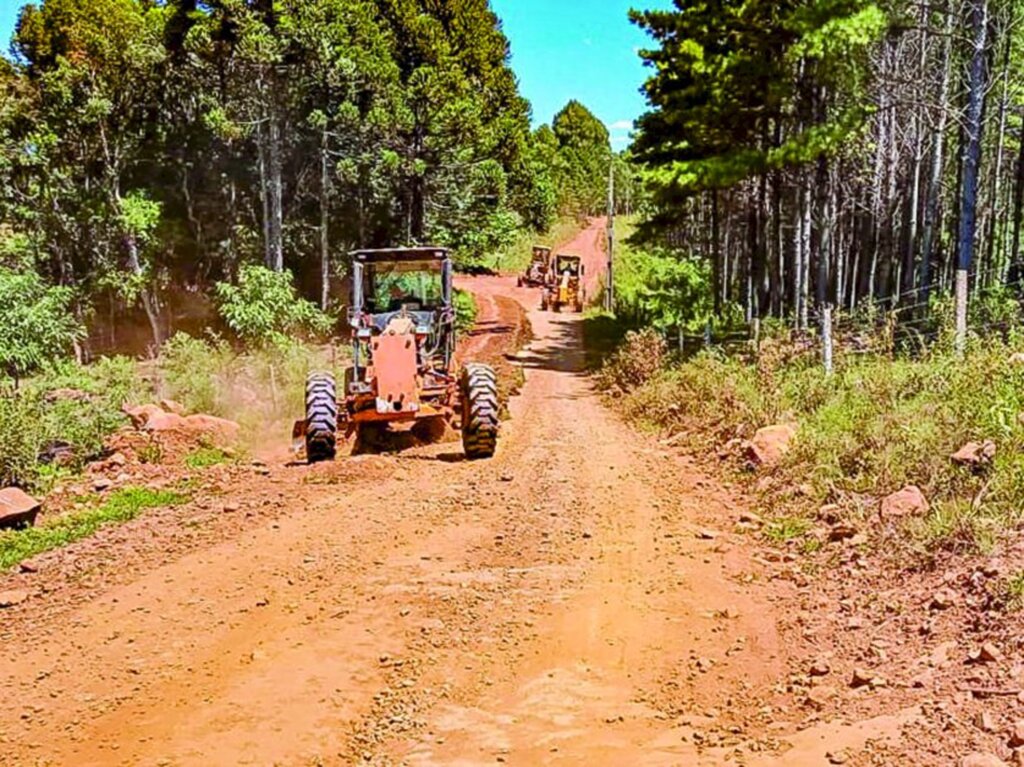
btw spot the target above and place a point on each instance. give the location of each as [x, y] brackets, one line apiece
[72, 405]
[37, 323]
[465, 311]
[121, 506]
[727, 74]
[263, 307]
[142, 145]
[205, 457]
[192, 369]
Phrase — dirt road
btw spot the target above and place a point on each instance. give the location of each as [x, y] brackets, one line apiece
[578, 600]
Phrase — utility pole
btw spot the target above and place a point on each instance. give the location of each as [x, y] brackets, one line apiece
[972, 161]
[609, 299]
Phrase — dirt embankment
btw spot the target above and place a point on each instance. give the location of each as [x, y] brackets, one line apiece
[589, 596]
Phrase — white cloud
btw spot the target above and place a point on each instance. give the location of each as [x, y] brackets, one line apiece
[621, 125]
[620, 142]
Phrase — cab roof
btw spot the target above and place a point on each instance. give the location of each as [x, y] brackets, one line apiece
[400, 254]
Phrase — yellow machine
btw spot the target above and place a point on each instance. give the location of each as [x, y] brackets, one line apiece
[565, 288]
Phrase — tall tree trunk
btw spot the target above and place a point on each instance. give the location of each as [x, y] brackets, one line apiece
[275, 230]
[995, 212]
[716, 253]
[914, 205]
[931, 216]
[325, 201]
[972, 161]
[1016, 267]
[149, 303]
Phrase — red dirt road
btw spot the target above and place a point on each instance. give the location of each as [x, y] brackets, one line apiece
[578, 600]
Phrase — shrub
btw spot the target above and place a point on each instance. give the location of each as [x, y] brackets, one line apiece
[636, 362]
[42, 414]
[263, 307]
[37, 324]
[465, 311]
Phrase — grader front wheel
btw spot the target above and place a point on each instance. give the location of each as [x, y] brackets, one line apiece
[321, 418]
[479, 411]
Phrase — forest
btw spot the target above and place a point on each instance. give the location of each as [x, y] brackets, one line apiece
[861, 156]
[149, 151]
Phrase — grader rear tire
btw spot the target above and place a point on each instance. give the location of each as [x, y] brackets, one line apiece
[479, 411]
[321, 418]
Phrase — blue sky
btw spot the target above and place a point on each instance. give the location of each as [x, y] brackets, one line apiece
[582, 49]
[561, 49]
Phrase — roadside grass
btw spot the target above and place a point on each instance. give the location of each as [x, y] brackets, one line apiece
[878, 424]
[71, 407]
[205, 457]
[122, 506]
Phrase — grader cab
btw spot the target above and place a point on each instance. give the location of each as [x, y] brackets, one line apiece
[539, 270]
[402, 324]
[565, 288]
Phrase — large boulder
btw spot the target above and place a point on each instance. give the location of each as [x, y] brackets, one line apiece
[975, 454]
[17, 508]
[155, 420]
[220, 429]
[770, 445]
[140, 415]
[909, 501]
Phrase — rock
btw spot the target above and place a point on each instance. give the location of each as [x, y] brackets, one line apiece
[942, 600]
[1017, 358]
[12, 598]
[17, 508]
[987, 653]
[164, 422]
[861, 678]
[907, 502]
[819, 697]
[101, 484]
[750, 518]
[820, 667]
[230, 508]
[170, 406]
[220, 429]
[707, 535]
[770, 445]
[66, 395]
[975, 454]
[984, 722]
[140, 415]
[981, 760]
[1017, 734]
[941, 655]
[842, 532]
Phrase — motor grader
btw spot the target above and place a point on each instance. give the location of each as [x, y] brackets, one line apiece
[537, 272]
[402, 324]
[565, 288]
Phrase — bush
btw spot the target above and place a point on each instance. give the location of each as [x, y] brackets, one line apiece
[37, 324]
[71, 404]
[263, 308]
[465, 311]
[639, 359]
[193, 371]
